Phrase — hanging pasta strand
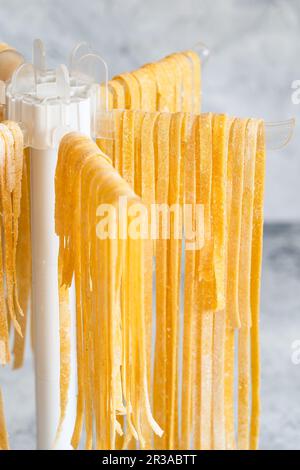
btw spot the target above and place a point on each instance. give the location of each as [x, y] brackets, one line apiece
[119, 164]
[65, 344]
[127, 168]
[229, 337]
[127, 165]
[23, 263]
[131, 89]
[196, 80]
[237, 148]
[139, 118]
[186, 68]
[107, 99]
[147, 87]
[204, 288]
[102, 321]
[256, 261]
[220, 129]
[106, 320]
[124, 161]
[64, 313]
[4, 332]
[234, 203]
[219, 206]
[165, 93]
[190, 129]
[4, 441]
[16, 200]
[118, 94]
[117, 160]
[244, 285]
[161, 137]
[173, 65]
[173, 282]
[148, 197]
[131, 436]
[7, 204]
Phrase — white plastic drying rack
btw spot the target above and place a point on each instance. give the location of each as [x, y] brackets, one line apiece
[48, 104]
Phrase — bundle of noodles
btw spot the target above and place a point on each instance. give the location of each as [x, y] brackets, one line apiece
[199, 160]
[237, 148]
[21, 204]
[230, 152]
[15, 274]
[171, 84]
[110, 317]
[13, 310]
[148, 160]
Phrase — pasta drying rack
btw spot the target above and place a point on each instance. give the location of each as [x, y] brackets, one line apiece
[48, 104]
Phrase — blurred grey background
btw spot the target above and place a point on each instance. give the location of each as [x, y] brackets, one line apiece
[255, 54]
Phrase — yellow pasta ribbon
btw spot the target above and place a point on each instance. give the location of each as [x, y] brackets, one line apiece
[4, 442]
[256, 260]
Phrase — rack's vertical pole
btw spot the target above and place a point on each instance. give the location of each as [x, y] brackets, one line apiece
[45, 304]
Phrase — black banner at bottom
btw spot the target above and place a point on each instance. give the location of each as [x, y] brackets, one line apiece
[135, 459]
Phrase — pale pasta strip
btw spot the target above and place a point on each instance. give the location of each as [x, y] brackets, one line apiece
[256, 260]
[244, 286]
[160, 357]
[4, 442]
[204, 269]
[174, 257]
[219, 222]
[190, 129]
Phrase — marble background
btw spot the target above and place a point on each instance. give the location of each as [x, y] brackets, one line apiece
[255, 49]
[255, 52]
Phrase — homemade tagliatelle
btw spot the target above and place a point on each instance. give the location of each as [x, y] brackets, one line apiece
[15, 259]
[157, 308]
[209, 161]
[15, 264]
[170, 84]
[110, 309]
